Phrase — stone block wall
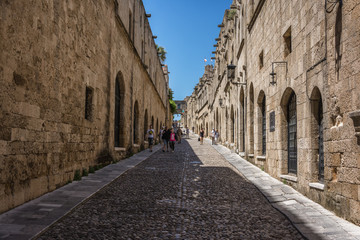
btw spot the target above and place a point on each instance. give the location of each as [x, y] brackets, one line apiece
[312, 47]
[59, 65]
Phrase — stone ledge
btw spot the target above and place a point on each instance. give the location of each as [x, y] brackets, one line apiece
[120, 149]
[251, 155]
[289, 177]
[242, 154]
[261, 157]
[318, 186]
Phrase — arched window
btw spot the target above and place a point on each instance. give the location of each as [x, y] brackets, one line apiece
[251, 123]
[119, 123]
[242, 120]
[292, 134]
[232, 125]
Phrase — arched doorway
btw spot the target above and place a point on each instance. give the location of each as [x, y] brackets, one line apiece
[292, 134]
[242, 120]
[251, 123]
[136, 123]
[119, 121]
[317, 134]
[232, 125]
[262, 122]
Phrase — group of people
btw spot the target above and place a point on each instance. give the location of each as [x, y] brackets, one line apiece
[214, 136]
[168, 137]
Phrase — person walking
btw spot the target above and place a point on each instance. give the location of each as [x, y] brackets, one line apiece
[212, 135]
[150, 134]
[179, 133]
[187, 132]
[173, 138]
[202, 133]
[216, 136]
[166, 138]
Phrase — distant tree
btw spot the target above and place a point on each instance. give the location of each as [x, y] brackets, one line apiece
[161, 52]
[173, 106]
[171, 94]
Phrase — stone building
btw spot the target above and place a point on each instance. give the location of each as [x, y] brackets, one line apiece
[80, 82]
[285, 95]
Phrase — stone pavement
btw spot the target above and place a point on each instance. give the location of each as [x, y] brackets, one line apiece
[197, 192]
[310, 218]
[29, 219]
[192, 193]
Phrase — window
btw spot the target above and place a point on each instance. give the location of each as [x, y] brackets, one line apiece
[287, 42]
[261, 59]
[119, 121]
[88, 103]
[292, 134]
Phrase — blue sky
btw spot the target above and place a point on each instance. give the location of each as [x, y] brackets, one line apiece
[187, 30]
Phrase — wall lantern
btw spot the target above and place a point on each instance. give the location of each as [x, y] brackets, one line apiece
[273, 73]
[231, 72]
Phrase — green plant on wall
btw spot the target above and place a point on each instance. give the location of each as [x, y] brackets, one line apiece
[231, 14]
[161, 52]
[172, 106]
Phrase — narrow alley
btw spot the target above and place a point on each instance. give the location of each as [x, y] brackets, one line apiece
[193, 193]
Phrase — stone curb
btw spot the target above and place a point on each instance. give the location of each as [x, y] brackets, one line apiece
[31, 219]
[311, 219]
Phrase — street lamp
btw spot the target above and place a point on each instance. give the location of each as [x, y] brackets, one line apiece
[273, 73]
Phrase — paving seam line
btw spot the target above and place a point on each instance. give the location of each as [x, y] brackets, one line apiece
[37, 235]
[293, 224]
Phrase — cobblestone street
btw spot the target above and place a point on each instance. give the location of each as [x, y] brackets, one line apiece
[193, 193]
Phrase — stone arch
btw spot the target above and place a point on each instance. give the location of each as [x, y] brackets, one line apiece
[242, 120]
[251, 119]
[261, 123]
[288, 126]
[317, 136]
[119, 121]
[136, 125]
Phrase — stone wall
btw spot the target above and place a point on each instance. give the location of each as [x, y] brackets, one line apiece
[59, 65]
[312, 47]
